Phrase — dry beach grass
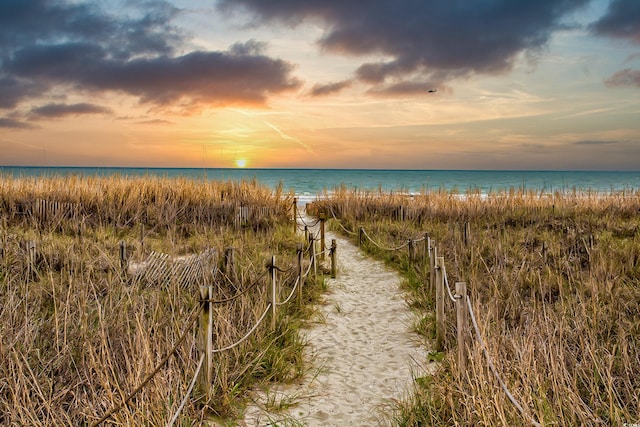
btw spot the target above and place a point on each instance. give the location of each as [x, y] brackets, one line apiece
[554, 280]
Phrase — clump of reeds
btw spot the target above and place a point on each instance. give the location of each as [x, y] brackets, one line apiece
[79, 334]
[554, 281]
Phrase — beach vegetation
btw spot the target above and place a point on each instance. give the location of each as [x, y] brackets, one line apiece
[554, 281]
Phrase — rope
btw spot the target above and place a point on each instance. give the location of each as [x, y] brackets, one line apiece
[493, 368]
[384, 248]
[187, 394]
[236, 296]
[149, 377]
[446, 285]
[291, 294]
[229, 347]
[353, 233]
[308, 270]
[304, 222]
[275, 267]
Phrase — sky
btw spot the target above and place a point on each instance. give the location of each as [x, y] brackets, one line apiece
[380, 84]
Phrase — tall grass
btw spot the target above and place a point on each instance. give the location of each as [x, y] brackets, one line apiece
[555, 283]
[78, 335]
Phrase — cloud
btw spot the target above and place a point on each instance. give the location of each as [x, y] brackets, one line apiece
[15, 124]
[48, 45]
[622, 20]
[410, 88]
[626, 77]
[595, 142]
[330, 88]
[154, 122]
[62, 110]
[430, 39]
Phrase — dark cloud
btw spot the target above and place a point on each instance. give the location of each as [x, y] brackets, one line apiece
[46, 45]
[14, 124]
[626, 77]
[424, 39]
[622, 20]
[62, 110]
[330, 88]
[12, 90]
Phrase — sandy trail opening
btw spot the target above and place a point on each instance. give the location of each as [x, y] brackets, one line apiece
[362, 351]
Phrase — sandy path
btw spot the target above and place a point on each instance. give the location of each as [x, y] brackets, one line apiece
[363, 352]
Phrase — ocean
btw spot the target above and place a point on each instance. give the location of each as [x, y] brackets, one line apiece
[307, 183]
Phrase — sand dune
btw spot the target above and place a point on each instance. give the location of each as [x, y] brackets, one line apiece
[362, 352]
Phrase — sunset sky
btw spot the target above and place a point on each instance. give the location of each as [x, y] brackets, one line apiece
[519, 84]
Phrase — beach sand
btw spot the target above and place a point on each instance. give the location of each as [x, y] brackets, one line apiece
[361, 351]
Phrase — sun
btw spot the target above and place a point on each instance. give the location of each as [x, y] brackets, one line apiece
[241, 163]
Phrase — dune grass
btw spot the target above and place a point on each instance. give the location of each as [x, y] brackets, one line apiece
[78, 334]
[555, 283]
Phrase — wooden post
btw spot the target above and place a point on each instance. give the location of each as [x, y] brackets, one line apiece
[433, 252]
[123, 257]
[467, 233]
[411, 251]
[272, 292]
[312, 256]
[333, 258]
[361, 236]
[31, 258]
[462, 323]
[229, 266]
[205, 340]
[426, 246]
[142, 237]
[439, 304]
[295, 215]
[544, 252]
[299, 251]
[323, 219]
[306, 233]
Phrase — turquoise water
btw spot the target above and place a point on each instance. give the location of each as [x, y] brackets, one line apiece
[309, 182]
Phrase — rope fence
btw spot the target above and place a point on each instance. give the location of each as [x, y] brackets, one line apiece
[439, 280]
[158, 266]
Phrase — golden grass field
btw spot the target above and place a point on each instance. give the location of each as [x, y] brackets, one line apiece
[553, 279]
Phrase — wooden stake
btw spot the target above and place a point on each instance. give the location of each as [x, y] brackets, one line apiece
[439, 304]
[299, 251]
[205, 342]
[323, 219]
[333, 258]
[272, 292]
[295, 215]
[462, 324]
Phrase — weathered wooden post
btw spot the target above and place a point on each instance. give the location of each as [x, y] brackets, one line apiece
[306, 233]
[142, 237]
[299, 251]
[333, 258]
[312, 256]
[467, 233]
[411, 251]
[433, 253]
[462, 323]
[361, 236]
[323, 219]
[229, 264]
[31, 258]
[426, 246]
[544, 252]
[272, 291]
[123, 257]
[295, 214]
[205, 340]
[439, 303]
